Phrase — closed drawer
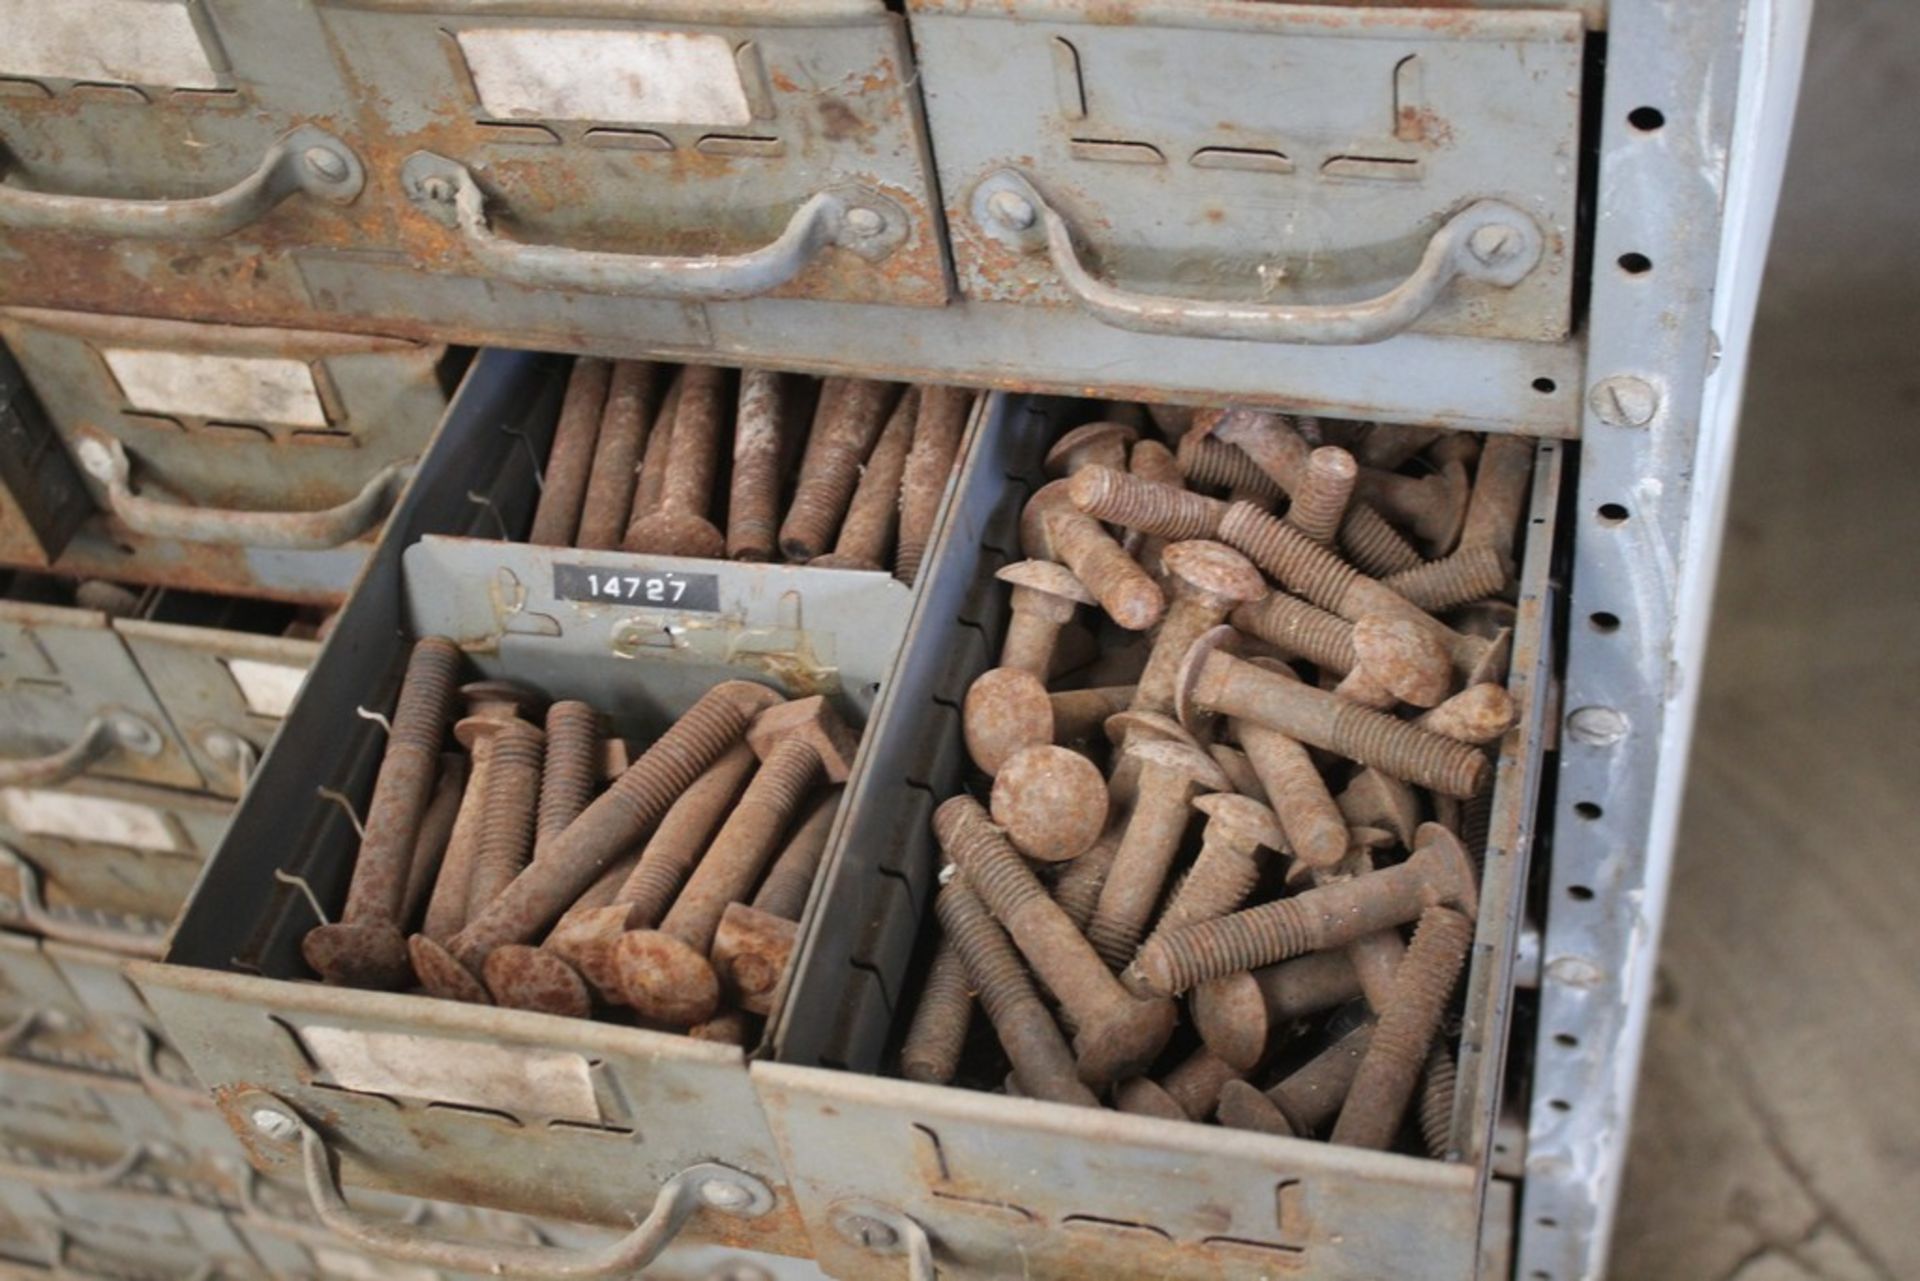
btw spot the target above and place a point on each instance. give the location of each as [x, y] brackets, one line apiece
[1266, 173]
[1003, 1185]
[254, 460]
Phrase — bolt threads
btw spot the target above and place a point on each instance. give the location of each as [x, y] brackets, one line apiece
[753, 516]
[682, 836]
[1384, 1083]
[1032, 1040]
[571, 769]
[1436, 1101]
[1078, 889]
[1303, 630]
[677, 757]
[1469, 574]
[1376, 547]
[1116, 498]
[623, 433]
[1218, 882]
[1126, 591]
[693, 450]
[936, 442]
[939, 1029]
[785, 777]
[1404, 752]
[874, 512]
[1301, 565]
[1320, 499]
[426, 696]
[1215, 462]
[784, 892]
[563, 486]
[985, 858]
[507, 821]
[1180, 959]
[405, 782]
[836, 451]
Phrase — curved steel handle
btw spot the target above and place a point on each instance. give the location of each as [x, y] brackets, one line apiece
[82, 1175]
[142, 937]
[146, 1066]
[705, 1186]
[100, 737]
[307, 160]
[1489, 241]
[863, 222]
[105, 459]
[61, 1267]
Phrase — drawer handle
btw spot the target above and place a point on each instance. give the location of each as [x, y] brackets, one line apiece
[146, 1065]
[861, 221]
[1488, 241]
[705, 1186]
[140, 937]
[307, 160]
[885, 1230]
[105, 459]
[99, 739]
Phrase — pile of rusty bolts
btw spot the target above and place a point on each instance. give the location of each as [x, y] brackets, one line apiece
[669, 898]
[639, 464]
[1297, 701]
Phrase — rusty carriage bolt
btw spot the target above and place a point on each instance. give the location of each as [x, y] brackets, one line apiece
[570, 771]
[1392, 445]
[1117, 1034]
[665, 973]
[1388, 1073]
[930, 462]
[360, 949]
[650, 482]
[1320, 500]
[872, 515]
[938, 1033]
[1053, 528]
[753, 947]
[1302, 1103]
[575, 962]
[851, 415]
[487, 702]
[1045, 595]
[1212, 679]
[1052, 802]
[1207, 580]
[1099, 444]
[1077, 888]
[1079, 714]
[1042, 1063]
[616, 456]
[1439, 1080]
[1242, 1016]
[507, 822]
[1469, 573]
[1327, 916]
[435, 835]
[1150, 460]
[1227, 867]
[1170, 773]
[1500, 488]
[1279, 450]
[1189, 1092]
[1316, 830]
[679, 525]
[610, 825]
[563, 483]
[1480, 713]
[1287, 556]
[1433, 507]
[759, 443]
[1382, 659]
[1205, 460]
[1006, 710]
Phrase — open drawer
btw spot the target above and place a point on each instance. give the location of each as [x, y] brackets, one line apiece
[1002, 1185]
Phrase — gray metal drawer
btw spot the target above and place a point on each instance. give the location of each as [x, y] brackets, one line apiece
[1005, 1186]
[1266, 173]
[227, 457]
[103, 863]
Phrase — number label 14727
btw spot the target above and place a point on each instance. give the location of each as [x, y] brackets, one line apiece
[643, 589]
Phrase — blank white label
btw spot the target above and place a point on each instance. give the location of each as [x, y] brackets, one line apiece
[506, 1078]
[140, 42]
[269, 688]
[93, 819]
[237, 389]
[646, 77]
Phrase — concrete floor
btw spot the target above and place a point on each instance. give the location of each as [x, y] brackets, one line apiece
[1778, 1131]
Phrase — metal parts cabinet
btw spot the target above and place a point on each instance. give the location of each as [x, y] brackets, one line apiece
[1544, 217]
